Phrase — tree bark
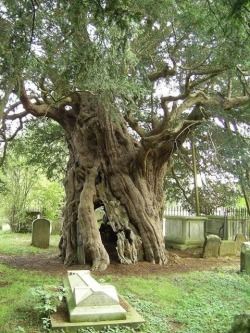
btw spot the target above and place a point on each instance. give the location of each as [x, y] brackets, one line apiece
[109, 167]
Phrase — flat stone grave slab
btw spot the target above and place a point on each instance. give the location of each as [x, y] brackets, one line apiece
[89, 301]
[90, 304]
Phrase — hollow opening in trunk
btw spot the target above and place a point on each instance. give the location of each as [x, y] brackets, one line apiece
[109, 240]
[108, 235]
[119, 238]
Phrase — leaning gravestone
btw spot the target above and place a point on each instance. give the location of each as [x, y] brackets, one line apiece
[40, 233]
[245, 258]
[211, 246]
[239, 239]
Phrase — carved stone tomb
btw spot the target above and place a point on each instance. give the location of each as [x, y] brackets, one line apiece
[89, 301]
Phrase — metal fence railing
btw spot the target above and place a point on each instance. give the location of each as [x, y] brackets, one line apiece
[238, 212]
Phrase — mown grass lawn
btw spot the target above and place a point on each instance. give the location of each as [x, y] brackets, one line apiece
[197, 302]
[11, 243]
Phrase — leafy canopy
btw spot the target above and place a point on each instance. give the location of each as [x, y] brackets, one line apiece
[156, 62]
[105, 45]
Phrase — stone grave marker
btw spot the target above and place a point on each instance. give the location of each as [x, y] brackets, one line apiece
[91, 304]
[89, 301]
[40, 233]
[239, 239]
[227, 248]
[211, 246]
[245, 258]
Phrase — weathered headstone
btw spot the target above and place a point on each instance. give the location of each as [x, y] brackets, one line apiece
[245, 258]
[239, 239]
[89, 301]
[227, 248]
[40, 233]
[211, 246]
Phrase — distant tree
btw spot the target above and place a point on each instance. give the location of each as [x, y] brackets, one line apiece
[19, 182]
[26, 188]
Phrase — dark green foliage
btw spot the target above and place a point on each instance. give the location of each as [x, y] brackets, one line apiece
[116, 49]
[2, 186]
[43, 145]
[222, 162]
[241, 323]
[46, 302]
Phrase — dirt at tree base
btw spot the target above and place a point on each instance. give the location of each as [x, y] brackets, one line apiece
[178, 262]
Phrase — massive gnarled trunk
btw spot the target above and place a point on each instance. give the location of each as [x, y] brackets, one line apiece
[109, 167]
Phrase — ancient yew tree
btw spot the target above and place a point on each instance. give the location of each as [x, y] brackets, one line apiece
[128, 82]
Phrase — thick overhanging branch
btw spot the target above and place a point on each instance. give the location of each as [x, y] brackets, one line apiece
[226, 103]
[173, 142]
[12, 107]
[15, 116]
[164, 140]
[210, 71]
[166, 143]
[37, 110]
[166, 71]
[168, 137]
[192, 100]
[201, 69]
[133, 123]
[190, 85]
[18, 129]
[204, 79]
[48, 98]
[171, 98]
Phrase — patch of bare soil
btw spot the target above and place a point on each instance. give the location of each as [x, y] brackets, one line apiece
[178, 262]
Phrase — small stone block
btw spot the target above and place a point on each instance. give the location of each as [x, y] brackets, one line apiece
[227, 248]
[97, 313]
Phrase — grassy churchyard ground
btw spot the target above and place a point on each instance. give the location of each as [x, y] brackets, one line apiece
[193, 302]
